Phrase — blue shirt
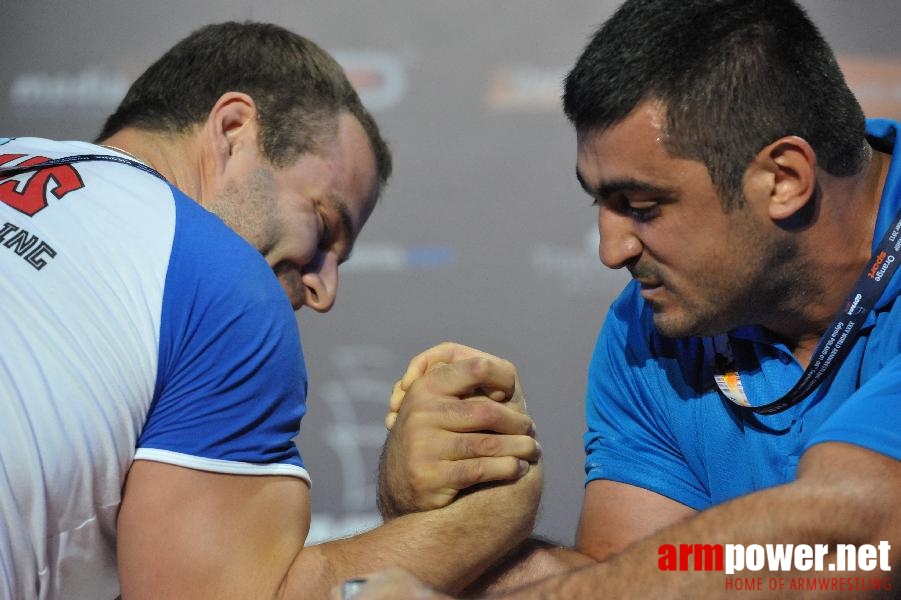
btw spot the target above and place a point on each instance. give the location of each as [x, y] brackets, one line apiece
[657, 420]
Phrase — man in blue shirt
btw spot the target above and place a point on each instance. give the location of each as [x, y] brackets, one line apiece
[746, 386]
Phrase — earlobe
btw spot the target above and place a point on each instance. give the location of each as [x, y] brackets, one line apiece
[790, 167]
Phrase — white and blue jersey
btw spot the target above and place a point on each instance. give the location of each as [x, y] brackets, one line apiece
[134, 325]
[657, 420]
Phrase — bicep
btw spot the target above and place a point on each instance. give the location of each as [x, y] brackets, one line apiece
[195, 534]
[614, 515]
[852, 484]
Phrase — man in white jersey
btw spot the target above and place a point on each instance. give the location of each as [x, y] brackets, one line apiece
[151, 373]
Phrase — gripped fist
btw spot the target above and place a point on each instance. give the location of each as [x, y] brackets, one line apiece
[461, 422]
[436, 356]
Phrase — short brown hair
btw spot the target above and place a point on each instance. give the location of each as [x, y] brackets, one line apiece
[299, 90]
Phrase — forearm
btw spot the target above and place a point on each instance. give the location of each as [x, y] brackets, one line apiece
[533, 560]
[837, 507]
[447, 548]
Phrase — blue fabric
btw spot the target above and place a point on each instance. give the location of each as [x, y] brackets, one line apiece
[656, 419]
[231, 382]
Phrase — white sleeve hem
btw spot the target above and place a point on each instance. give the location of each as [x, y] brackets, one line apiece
[215, 465]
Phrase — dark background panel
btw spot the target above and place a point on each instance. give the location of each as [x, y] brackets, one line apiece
[483, 236]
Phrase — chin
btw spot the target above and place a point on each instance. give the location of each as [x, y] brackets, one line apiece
[672, 326]
[668, 329]
[678, 325]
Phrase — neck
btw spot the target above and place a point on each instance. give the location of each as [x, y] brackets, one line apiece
[839, 245]
[175, 156]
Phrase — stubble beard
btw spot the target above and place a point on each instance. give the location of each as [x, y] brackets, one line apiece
[246, 208]
[775, 285]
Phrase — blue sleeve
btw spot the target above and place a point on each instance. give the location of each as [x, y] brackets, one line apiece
[231, 382]
[629, 439]
[871, 416]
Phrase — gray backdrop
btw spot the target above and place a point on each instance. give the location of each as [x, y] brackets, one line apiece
[483, 236]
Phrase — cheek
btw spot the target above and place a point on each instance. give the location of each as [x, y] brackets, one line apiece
[299, 237]
[686, 267]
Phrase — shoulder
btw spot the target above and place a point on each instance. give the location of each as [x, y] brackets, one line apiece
[219, 286]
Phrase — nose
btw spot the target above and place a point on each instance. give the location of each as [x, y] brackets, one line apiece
[619, 244]
[320, 283]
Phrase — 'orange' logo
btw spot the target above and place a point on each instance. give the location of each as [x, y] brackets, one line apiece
[879, 259]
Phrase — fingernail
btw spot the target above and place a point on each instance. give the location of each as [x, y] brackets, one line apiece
[352, 587]
[532, 429]
[523, 467]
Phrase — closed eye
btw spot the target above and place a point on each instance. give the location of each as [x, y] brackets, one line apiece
[643, 212]
[639, 200]
[326, 234]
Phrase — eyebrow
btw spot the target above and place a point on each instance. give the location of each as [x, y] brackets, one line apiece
[609, 188]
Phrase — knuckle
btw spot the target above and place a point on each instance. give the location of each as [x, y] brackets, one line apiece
[509, 467]
[489, 445]
[488, 415]
[420, 478]
[479, 367]
[508, 366]
[418, 398]
[445, 348]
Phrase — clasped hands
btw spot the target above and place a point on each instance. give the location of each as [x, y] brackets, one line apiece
[457, 419]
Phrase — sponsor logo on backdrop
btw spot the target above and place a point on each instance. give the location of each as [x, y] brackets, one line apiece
[92, 90]
[574, 269]
[526, 88]
[380, 78]
[359, 387]
[875, 81]
[394, 257]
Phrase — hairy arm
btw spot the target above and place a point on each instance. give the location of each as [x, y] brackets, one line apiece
[190, 534]
[446, 547]
[614, 516]
[844, 494]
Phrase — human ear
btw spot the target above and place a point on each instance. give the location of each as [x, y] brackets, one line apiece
[785, 172]
[231, 128]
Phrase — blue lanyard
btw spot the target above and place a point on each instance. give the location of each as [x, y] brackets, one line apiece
[9, 171]
[840, 336]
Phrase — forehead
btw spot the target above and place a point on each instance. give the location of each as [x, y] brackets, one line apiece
[355, 185]
[342, 175]
[630, 149]
[632, 155]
